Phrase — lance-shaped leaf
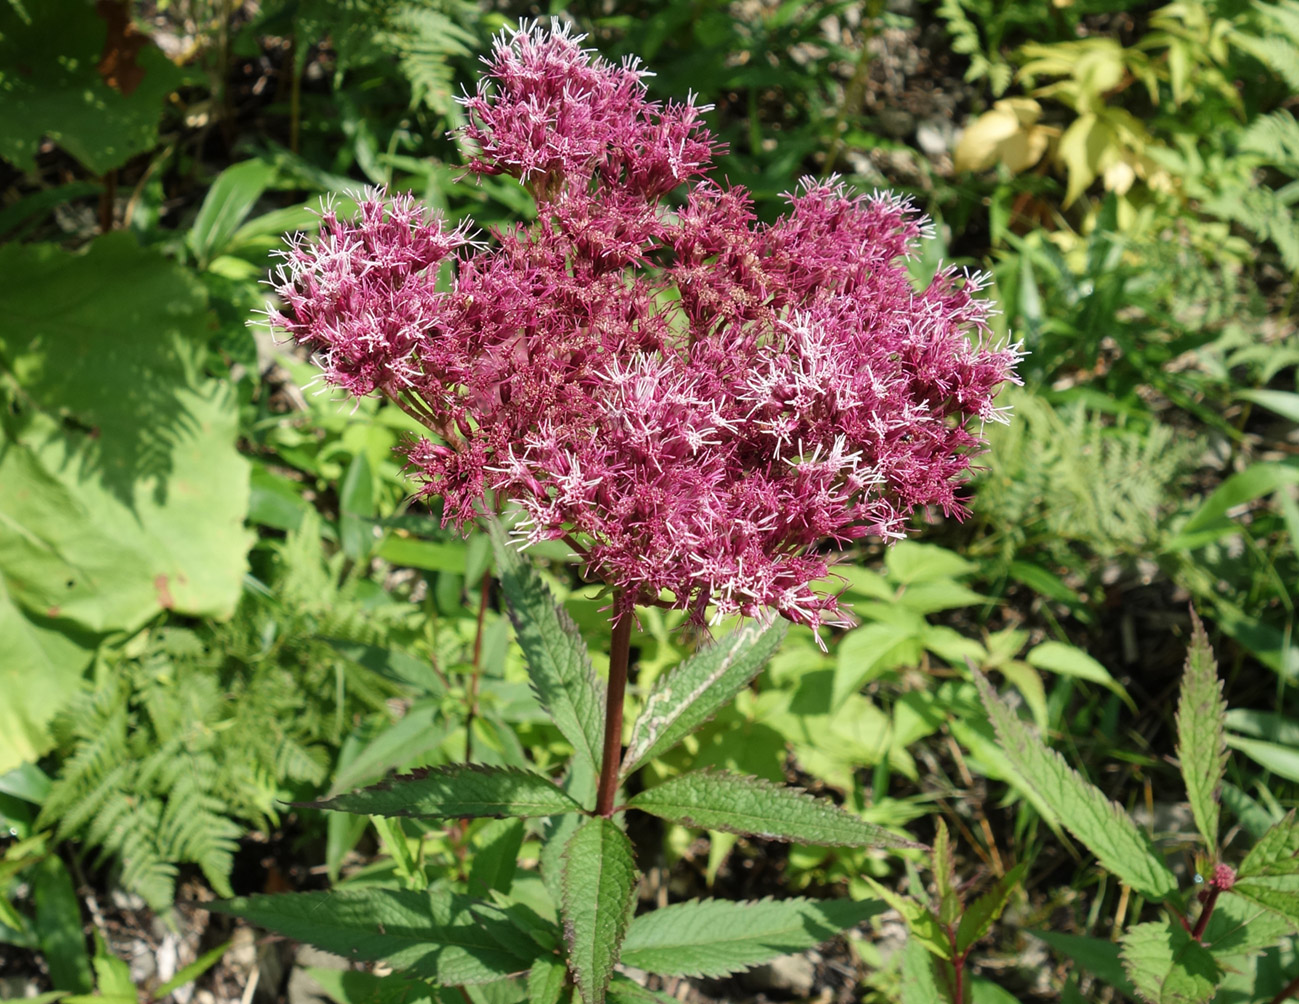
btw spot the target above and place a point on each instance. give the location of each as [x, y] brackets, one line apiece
[1168, 966]
[918, 983]
[980, 915]
[1276, 854]
[455, 791]
[1097, 821]
[546, 981]
[734, 803]
[434, 935]
[598, 896]
[714, 938]
[558, 662]
[1201, 738]
[689, 695]
[922, 923]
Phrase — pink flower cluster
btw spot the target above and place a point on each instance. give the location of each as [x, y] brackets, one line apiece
[696, 401]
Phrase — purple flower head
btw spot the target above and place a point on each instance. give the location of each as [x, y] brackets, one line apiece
[694, 400]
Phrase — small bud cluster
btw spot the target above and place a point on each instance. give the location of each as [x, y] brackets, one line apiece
[695, 400]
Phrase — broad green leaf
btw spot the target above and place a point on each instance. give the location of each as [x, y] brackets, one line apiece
[1276, 892]
[918, 983]
[922, 923]
[872, 650]
[734, 803]
[599, 895]
[713, 938]
[229, 199]
[455, 791]
[1240, 930]
[58, 925]
[546, 981]
[689, 695]
[908, 561]
[1210, 521]
[625, 991]
[1284, 403]
[434, 935]
[355, 986]
[986, 992]
[1201, 746]
[558, 662]
[422, 728]
[1097, 956]
[122, 493]
[1279, 759]
[112, 975]
[980, 915]
[356, 509]
[1276, 853]
[431, 555]
[1083, 809]
[1067, 660]
[55, 82]
[1168, 966]
[496, 856]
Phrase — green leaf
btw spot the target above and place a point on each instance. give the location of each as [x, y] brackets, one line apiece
[558, 662]
[188, 974]
[918, 983]
[546, 981]
[1276, 853]
[356, 508]
[599, 895]
[1067, 660]
[228, 201]
[1168, 966]
[980, 915]
[1201, 743]
[435, 935]
[1284, 403]
[1097, 956]
[713, 938]
[1210, 521]
[734, 803]
[1240, 930]
[1279, 894]
[944, 864]
[59, 927]
[689, 695]
[922, 923]
[354, 986]
[1084, 810]
[986, 992]
[51, 85]
[496, 856]
[908, 561]
[121, 490]
[456, 791]
[1279, 759]
[112, 975]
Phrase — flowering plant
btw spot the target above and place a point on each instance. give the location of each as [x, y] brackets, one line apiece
[693, 400]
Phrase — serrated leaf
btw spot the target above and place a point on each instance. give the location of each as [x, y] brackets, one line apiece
[983, 912]
[436, 935]
[949, 903]
[922, 923]
[690, 694]
[918, 983]
[1098, 822]
[714, 938]
[1201, 738]
[1277, 853]
[455, 791]
[495, 856]
[353, 986]
[1239, 930]
[734, 803]
[1096, 956]
[546, 981]
[1279, 894]
[1168, 966]
[558, 662]
[598, 896]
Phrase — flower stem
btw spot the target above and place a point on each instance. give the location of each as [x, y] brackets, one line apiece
[1290, 990]
[611, 761]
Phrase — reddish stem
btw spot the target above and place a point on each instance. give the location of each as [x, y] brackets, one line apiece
[1290, 990]
[611, 760]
